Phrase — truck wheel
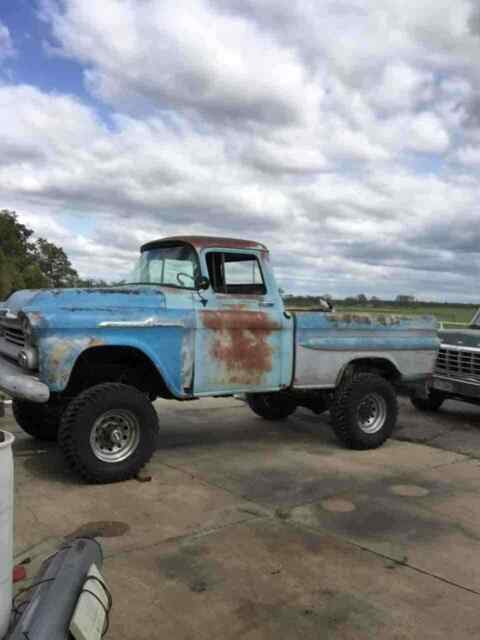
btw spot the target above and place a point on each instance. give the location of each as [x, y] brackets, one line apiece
[41, 421]
[271, 406]
[364, 411]
[108, 433]
[432, 402]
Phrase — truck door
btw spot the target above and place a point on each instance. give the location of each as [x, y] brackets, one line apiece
[243, 339]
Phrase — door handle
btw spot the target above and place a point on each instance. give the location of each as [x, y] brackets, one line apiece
[266, 304]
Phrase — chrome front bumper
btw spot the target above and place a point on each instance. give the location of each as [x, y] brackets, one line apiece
[19, 384]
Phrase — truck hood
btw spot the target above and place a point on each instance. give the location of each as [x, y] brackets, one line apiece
[112, 298]
[464, 338]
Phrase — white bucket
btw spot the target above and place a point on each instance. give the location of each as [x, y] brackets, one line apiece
[6, 529]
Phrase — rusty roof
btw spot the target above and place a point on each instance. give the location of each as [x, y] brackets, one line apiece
[205, 242]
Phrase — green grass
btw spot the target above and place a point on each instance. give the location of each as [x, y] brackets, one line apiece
[443, 312]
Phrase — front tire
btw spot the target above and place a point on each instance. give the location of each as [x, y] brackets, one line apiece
[108, 433]
[364, 411]
[432, 402]
[271, 406]
[41, 421]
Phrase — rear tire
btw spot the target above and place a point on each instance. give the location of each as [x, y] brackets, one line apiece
[432, 402]
[364, 411]
[109, 432]
[271, 406]
[41, 421]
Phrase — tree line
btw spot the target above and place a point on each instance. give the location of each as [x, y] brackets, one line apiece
[26, 263]
[362, 301]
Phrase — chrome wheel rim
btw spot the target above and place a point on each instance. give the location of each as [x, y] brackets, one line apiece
[115, 435]
[372, 413]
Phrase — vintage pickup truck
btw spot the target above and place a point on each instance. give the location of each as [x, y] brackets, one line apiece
[199, 316]
[457, 369]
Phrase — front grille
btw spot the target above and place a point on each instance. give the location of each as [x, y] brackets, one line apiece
[14, 336]
[458, 363]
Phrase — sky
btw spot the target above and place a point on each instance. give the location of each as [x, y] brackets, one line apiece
[343, 134]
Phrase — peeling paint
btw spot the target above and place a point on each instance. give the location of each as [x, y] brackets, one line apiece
[149, 322]
[226, 320]
[188, 359]
[239, 344]
[58, 356]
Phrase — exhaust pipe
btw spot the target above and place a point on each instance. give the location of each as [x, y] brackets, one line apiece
[6, 529]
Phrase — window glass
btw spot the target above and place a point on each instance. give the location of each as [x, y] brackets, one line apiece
[235, 273]
[246, 272]
[169, 265]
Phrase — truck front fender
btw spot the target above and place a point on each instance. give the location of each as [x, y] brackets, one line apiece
[169, 349]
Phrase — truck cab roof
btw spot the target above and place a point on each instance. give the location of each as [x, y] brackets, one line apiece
[205, 242]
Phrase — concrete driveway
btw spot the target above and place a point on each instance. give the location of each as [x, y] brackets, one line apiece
[258, 530]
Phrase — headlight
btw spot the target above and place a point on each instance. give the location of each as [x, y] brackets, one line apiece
[28, 359]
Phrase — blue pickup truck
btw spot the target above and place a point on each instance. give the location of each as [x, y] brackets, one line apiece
[199, 316]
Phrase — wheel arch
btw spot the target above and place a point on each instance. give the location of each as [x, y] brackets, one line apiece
[100, 363]
[384, 366]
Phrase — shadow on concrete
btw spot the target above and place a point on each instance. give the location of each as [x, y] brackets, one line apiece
[251, 432]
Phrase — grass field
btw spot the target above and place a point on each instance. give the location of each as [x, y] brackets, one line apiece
[443, 312]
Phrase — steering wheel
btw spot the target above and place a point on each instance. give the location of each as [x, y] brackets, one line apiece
[187, 275]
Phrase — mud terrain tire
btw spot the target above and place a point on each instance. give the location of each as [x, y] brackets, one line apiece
[41, 421]
[364, 411]
[109, 432]
[271, 406]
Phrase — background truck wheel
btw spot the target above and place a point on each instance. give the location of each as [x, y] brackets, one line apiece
[109, 432]
[271, 406]
[41, 421]
[432, 402]
[364, 411]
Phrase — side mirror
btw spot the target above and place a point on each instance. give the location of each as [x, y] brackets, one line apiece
[202, 282]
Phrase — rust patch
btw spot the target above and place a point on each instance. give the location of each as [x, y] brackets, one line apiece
[239, 319]
[35, 318]
[96, 342]
[240, 343]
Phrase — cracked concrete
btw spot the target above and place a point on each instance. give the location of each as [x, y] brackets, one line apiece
[250, 529]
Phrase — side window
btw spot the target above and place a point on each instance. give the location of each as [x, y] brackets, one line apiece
[238, 273]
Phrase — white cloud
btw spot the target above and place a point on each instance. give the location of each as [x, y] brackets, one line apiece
[317, 127]
[426, 133]
[6, 44]
[180, 54]
[469, 156]
[402, 87]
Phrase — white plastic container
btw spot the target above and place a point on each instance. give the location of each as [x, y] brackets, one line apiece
[6, 529]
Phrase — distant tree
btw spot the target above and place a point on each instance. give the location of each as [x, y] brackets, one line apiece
[362, 298]
[405, 299]
[6, 275]
[54, 264]
[33, 278]
[28, 264]
[90, 283]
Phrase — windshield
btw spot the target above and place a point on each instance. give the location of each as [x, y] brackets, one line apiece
[175, 266]
[475, 322]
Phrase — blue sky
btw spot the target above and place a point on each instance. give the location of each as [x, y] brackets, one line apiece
[34, 62]
[353, 155]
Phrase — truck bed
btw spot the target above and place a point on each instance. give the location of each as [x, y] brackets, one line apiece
[410, 344]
